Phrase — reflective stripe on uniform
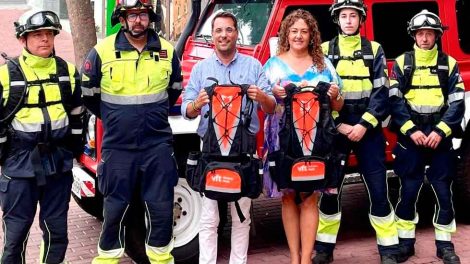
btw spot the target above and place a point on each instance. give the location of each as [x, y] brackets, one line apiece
[356, 95]
[425, 109]
[161, 255]
[177, 86]
[370, 119]
[64, 78]
[395, 92]
[3, 139]
[36, 127]
[134, 99]
[444, 232]
[443, 67]
[17, 83]
[406, 228]
[455, 97]
[443, 236]
[379, 82]
[111, 256]
[407, 126]
[77, 131]
[445, 128]
[328, 227]
[77, 110]
[385, 228]
[326, 238]
[90, 91]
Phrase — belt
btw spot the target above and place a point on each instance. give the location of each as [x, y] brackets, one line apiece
[425, 119]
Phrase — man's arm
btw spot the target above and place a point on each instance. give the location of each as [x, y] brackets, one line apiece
[262, 92]
[76, 115]
[377, 110]
[190, 107]
[401, 117]
[91, 82]
[175, 85]
[452, 117]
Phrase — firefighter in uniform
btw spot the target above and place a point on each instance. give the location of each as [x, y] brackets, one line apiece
[41, 132]
[426, 97]
[362, 67]
[129, 80]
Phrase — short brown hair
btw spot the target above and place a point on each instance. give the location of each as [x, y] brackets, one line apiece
[225, 14]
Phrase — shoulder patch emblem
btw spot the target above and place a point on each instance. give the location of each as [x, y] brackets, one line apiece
[87, 66]
[163, 54]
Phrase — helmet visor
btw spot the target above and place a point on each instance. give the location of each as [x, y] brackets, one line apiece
[133, 3]
[45, 18]
[424, 20]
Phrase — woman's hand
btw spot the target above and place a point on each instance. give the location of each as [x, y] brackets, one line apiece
[279, 91]
[333, 91]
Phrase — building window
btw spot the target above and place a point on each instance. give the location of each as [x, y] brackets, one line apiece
[462, 8]
[390, 21]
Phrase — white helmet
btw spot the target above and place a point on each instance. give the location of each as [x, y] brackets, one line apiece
[337, 5]
[35, 19]
[425, 19]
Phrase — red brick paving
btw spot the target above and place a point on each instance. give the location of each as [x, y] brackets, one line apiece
[356, 242]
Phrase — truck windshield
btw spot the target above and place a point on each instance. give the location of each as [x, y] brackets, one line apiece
[252, 18]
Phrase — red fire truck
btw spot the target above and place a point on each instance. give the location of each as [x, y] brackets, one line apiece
[259, 22]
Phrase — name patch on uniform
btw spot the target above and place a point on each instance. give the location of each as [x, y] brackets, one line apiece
[163, 54]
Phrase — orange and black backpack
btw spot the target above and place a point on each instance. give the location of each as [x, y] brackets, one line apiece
[306, 160]
[227, 168]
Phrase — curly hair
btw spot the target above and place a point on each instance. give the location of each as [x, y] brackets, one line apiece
[314, 46]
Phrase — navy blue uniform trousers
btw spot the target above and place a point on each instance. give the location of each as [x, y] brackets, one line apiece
[19, 198]
[153, 172]
[410, 165]
[370, 154]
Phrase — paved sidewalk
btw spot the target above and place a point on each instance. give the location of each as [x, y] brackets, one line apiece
[356, 242]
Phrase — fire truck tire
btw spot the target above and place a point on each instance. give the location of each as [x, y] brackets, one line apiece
[187, 211]
[91, 205]
[462, 182]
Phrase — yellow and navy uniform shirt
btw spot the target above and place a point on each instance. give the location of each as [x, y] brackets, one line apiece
[131, 91]
[32, 124]
[357, 86]
[425, 96]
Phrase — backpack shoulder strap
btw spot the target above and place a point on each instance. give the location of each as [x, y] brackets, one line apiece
[368, 56]
[408, 70]
[333, 51]
[18, 87]
[64, 83]
[443, 73]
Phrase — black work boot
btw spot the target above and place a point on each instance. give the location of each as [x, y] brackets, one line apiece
[405, 253]
[448, 255]
[322, 258]
[388, 259]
